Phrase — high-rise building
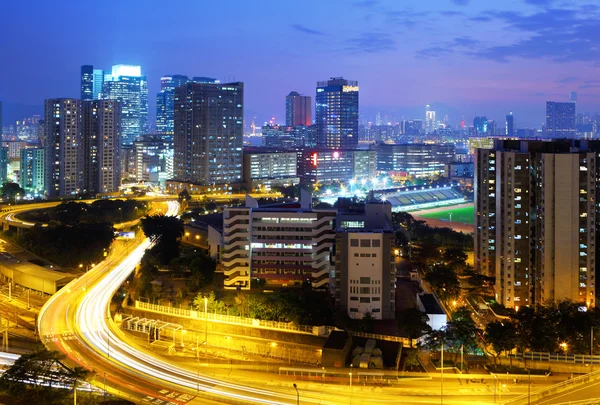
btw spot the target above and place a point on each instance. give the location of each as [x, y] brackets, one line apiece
[510, 125]
[301, 252]
[481, 125]
[337, 113]
[102, 145]
[560, 119]
[1, 120]
[365, 272]
[127, 85]
[415, 160]
[573, 97]
[64, 146]
[153, 159]
[4, 162]
[208, 133]
[87, 82]
[298, 110]
[164, 102]
[536, 220]
[430, 122]
[31, 175]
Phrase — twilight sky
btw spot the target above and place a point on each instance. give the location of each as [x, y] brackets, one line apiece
[464, 57]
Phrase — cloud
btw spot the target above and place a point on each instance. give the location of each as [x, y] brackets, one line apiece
[464, 42]
[306, 30]
[568, 79]
[366, 3]
[539, 2]
[561, 35]
[460, 2]
[434, 52]
[370, 42]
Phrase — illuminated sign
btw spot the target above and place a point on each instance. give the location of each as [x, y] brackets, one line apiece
[314, 158]
[348, 89]
[336, 155]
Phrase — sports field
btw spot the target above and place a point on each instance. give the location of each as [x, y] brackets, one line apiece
[460, 214]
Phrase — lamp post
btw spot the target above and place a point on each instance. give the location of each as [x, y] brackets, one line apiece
[529, 386]
[495, 382]
[442, 373]
[205, 326]
[297, 394]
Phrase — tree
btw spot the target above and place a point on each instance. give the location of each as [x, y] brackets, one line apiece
[214, 305]
[12, 190]
[165, 232]
[455, 258]
[411, 362]
[444, 281]
[413, 323]
[184, 196]
[461, 331]
[502, 336]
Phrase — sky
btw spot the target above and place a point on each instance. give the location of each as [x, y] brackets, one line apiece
[464, 57]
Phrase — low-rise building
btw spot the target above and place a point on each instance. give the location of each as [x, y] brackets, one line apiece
[266, 168]
[414, 160]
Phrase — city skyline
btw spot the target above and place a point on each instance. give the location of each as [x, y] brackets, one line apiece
[400, 69]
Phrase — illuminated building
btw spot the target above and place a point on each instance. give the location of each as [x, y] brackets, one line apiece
[365, 272]
[64, 146]
[1, 128]
[127, 85]
[278, 136]
[560, 120]
[481, 125]
[87, 82]
[430, 122]
[4, 161]
[164, 102]
[153, 159]
[337, 114]
[208, 135]
[536, 220]
[510, 125]
[327, 166]
[414, 160]
[31, 176]
[285, 245]
[298, 110]
[264, 168]
[102, 145]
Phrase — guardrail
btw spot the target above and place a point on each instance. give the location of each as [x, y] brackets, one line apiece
[559, 357]
[554, 389]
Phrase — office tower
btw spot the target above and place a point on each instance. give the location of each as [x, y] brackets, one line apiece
[1, 120]
[208, 133]
[87, 82]
[153, 160]
[481, 125]
[365, 272]
[573, 97]
[510, 125]
[301, 252]
[416, 160]
[127, 85]
[4, 161]
[430, 123]
[102, 146]
[64, 147]
[31, 175]
[560, 119]
[337, 113]
[298, 110]
[164, 102]
[536, 220]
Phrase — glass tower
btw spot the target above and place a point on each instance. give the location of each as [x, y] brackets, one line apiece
[164, 102]
[31, 178]
[337, 113]
[560, 119]
[87, 82]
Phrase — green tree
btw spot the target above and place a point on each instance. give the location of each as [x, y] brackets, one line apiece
[444, 281]
[413, 323]
[11, 191]
[502, 336]
[166, 233]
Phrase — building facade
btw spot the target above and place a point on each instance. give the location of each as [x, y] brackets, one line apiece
[127, 85]
[102, 145]
[265, 169]
[31, 175]
[415, 160]
[510, 125]
[208, 136]
[298, 110]
[536, 220]
[164, 102]
[560, 119]
[365, 271]
[87, 82]
[153, 160]
[324, 166]
[337, 114]
[284, 245]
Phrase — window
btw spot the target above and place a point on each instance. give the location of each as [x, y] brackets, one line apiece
[354, 242]
[365, 243]
[374, 299]
[365, 280]
[353, 298]
[365, 290]
[365, 300]
[376, 243]
[376, 310]
[353, 309]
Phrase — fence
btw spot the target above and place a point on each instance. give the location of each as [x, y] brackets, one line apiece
[558, 357]
[555, 389]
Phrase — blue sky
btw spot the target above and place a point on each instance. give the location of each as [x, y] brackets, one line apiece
[464, 57]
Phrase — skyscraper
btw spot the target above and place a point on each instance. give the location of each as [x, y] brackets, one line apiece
[536, 220]
[64, 147]
[337, 113]
[127, 85]
[164, 102]
[102, 146]
[208, 133]
[510, 124]
[0, 119]
[31, 174]
[430, 122]
[87, 82]
[560, 119]
[298, 110]
[480, 124]
[98, 84]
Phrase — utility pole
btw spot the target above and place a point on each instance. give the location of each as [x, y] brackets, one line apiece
[529, 387]
[205, 327]
[297, 394]
[442, 374]
[591, 342]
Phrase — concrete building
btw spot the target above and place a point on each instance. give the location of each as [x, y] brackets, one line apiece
[326, 166]
[560, 119]
[414, 160]
[285, 245]
[102, 146]
[153, 157]
[266, 168]
[31, 176]
[365, 272]
[337, 114]
[298, 110]
[208, 135]
[536, 220]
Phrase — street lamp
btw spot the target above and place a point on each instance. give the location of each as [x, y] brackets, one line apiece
[297, 394]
